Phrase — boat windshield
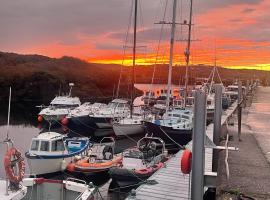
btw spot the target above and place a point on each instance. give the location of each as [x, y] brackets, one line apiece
[65, 105]
[35, 145]
[112, 105]
[232, 89]
[133, 154]
[44, 146]
[185, 117]
[58, 145]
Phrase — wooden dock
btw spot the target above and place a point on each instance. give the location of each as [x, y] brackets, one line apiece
[172, 184]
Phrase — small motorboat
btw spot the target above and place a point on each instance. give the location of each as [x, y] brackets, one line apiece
[59, 107]
[99, 158]
[139, 162]
[70, 189]
[50, 152]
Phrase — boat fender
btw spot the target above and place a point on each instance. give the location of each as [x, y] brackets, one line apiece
[40, 118]
[186, 162]
[157, 122]
[10, 165]
[63, 165]
[71, 167]
[107, 153]
[64, 121]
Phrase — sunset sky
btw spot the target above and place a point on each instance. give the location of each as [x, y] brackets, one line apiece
[236, 31]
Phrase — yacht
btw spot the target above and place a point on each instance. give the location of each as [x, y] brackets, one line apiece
[59, 107]
[174, 127]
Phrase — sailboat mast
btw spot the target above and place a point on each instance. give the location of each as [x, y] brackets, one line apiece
[9, 100]
[187, 53]
[134, 56]
[169, 85]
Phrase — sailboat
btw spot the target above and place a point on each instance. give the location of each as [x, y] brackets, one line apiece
[133, 123]
[177, 123]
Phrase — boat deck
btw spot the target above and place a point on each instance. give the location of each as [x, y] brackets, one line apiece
[171, 183]
[11, 195]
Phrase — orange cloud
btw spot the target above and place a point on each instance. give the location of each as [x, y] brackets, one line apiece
[237, 34]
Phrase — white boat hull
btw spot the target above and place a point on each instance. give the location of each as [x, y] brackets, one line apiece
[128, 129]
[54, 117]
[47, 166]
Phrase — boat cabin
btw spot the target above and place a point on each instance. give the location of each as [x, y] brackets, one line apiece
[48, 143]
[120, 104]
[65, 102]
[52, 143]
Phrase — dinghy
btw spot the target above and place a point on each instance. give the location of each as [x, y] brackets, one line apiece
[139, 162]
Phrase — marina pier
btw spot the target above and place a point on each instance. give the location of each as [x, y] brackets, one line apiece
[248, 171]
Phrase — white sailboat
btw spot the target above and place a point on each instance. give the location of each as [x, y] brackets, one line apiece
[133, 123]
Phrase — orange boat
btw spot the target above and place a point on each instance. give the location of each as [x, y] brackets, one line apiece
[99, 158]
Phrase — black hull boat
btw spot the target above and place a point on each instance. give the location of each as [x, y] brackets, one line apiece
[167, 134]
[130, 178]
[90, 126]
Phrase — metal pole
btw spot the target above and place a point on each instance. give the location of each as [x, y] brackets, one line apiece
[217, 124]
[187, 52]
[134, 57]
[7, 180]
[169, 85]
[197, 181]
[239, 109]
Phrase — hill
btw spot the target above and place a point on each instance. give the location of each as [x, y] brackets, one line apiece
[39, 78]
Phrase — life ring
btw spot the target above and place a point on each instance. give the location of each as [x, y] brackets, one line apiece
[12, 157]
[186, 162]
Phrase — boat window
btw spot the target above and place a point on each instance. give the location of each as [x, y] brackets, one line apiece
[58, 145]
[121, 105]
[112, 105]
[208, 102]
[176, 115]
[34, 145]
[44, 146]
[185, 117]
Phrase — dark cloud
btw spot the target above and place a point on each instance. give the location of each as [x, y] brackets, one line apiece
[205, 5]
[30, 23]
[236, 20]
[248, 10]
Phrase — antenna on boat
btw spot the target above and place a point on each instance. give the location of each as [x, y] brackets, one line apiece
[9, 100]
[70, 85]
